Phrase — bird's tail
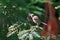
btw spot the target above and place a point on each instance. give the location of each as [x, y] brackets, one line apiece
[43, 23]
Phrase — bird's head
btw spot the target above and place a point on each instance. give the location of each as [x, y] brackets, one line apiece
[31, 15]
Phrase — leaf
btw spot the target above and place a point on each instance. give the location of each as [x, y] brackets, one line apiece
[30, 37]
[11, 33]
[22, 32]
[13, 26]
[0, 3]
[37, 12]
[40, 9]
[7, 0]
[57, 7]
[23, 36]
[42, 1]
[41, 28]
[34, 1]
[35, 34]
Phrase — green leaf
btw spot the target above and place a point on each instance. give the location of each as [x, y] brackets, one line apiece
[22, 32]
[11, 33]
[7, 0]
[23, 36]
[40, 9]
[42, 1]
[30, 37]
[57, 7]
[35, 34]
[37, 12]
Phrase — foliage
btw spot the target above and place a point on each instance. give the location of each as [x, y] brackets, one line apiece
[13, 18]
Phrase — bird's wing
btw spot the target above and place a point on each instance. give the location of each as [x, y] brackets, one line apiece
[36, 19]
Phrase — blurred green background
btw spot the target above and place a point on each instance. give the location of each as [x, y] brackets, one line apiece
[12, 11]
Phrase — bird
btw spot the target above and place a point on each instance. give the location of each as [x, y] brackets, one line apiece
[35, 19]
